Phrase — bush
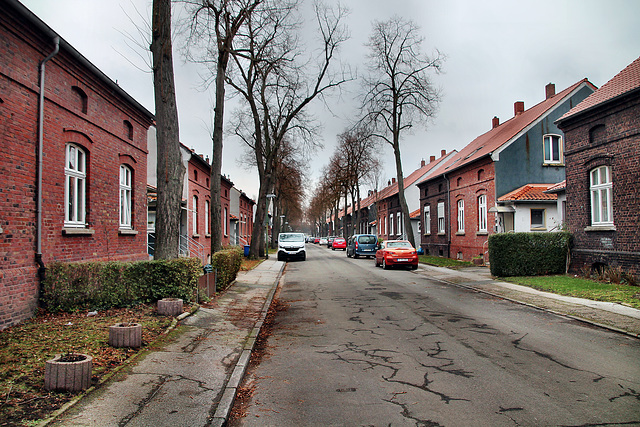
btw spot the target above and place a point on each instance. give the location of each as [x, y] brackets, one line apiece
[102, 285]
[528, 254]
[227, 264]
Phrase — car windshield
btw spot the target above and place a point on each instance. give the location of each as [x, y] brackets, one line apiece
[291, 237]
[399, 245]
[367, 240]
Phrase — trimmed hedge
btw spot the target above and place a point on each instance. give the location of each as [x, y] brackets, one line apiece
[102, 285]
[528, 254]
[227, 264]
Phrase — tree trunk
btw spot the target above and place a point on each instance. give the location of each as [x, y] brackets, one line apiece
[216, 159]
[170, 169]
[403, 201]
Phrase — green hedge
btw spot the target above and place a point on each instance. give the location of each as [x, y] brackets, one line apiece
[102, 285]
[528, 254]
[227, 264]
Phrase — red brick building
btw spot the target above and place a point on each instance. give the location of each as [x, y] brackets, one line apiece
[603, 174]
[89, 201]
[459, 199]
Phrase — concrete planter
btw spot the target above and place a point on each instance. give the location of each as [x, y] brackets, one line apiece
[125, 335]
[170, 307]
[68, 372]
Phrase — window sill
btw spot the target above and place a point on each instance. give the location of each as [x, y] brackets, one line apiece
[80, 231]
[127, 232]
[195, 236]
[427, 234]
[207, 235]
[442, 234]
[482, 233]
[538, 228]
[460, 233]
[553, 165]
[600, 228]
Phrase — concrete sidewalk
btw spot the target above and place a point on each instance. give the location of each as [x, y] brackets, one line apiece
[192, 380]
[613, 316]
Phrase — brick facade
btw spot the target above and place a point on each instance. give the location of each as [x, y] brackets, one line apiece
[606, 134]
[82, 107]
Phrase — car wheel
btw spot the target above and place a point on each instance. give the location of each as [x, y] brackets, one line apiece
[355, 255]
[414, 267]
[384, 264]
[333, 249]
[376, 261]
[279, 257]
[304, 257]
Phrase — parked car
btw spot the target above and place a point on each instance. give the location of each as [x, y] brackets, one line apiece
[291, 245]
[330, 241]
[339, 243]
[323, 241]
[362, 245]
[316, 240]
[393, 253]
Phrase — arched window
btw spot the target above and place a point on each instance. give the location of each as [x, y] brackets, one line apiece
[128, 129]
[83, 99]
[460, 216]
[195, 215]
[600, 187]
[482, 213]
[125, 196]
[207, 231]
[480, 174]
[195, 175]
[75, 174]
[459, 181]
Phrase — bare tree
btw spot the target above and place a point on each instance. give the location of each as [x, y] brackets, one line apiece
[170, 169]
[218, 22]
[277, 85]
[398, 92]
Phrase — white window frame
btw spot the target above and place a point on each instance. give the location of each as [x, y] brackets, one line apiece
[601, 190]
[399, 223]
[442, 223]
[461, 216]
[126, 186]
[427, 220]
[195, 215]
[482, 213]
[390, 225]
[226, 221]
[75, 195]
[548, 151]
[207, 230]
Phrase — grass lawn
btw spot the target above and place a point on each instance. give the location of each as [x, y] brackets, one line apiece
[443, 262]
[582, 288]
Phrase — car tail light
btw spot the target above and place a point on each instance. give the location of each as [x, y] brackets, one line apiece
[356, 244]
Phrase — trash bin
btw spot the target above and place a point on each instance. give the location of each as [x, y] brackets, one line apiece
[246, 250]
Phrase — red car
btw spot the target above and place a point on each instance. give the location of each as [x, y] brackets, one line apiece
[339, 243]
[391, 253]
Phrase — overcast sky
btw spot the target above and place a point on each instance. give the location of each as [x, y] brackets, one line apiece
[498, 52]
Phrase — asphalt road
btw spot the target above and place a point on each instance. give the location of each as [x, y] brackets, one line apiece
[359, 345]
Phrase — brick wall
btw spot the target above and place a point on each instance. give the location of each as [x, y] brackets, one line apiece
[101, 131]
[609, 135]
[433, 192]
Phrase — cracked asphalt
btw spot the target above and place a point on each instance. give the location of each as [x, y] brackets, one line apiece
[358, 345]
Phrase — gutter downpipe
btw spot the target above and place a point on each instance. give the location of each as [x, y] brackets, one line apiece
[448, 216]
[41, 267]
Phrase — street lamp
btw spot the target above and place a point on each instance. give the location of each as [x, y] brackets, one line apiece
[281, 222]
[266, 225]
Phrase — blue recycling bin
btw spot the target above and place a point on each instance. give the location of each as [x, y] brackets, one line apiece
[246, 250]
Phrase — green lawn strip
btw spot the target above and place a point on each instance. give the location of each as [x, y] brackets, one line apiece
[582, 288]
[443, 262]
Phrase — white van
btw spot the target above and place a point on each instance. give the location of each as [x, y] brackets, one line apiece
[291, 245]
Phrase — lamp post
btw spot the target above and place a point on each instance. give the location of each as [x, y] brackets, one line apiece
[281, 222]
[266, 226]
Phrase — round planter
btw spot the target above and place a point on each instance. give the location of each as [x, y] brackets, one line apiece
[125, 335]
[68, 372]
[170, 306]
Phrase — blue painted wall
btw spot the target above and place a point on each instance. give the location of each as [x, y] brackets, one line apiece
[523, 161]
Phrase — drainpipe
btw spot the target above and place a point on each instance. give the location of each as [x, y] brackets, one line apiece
[448, 217]
[41, 268]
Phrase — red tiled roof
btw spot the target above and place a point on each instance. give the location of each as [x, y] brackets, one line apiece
[415, 214]
[493, 140]
[556, 188]
[530, 192]
[625, 81]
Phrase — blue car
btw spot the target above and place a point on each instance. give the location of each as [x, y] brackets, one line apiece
[362, 245]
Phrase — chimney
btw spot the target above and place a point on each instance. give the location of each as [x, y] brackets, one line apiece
[443, 153]
[495, 122]
[388, 183]
[422, 163]
[393, 180]
[432, 159]
[549, 90]
[518, 108]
